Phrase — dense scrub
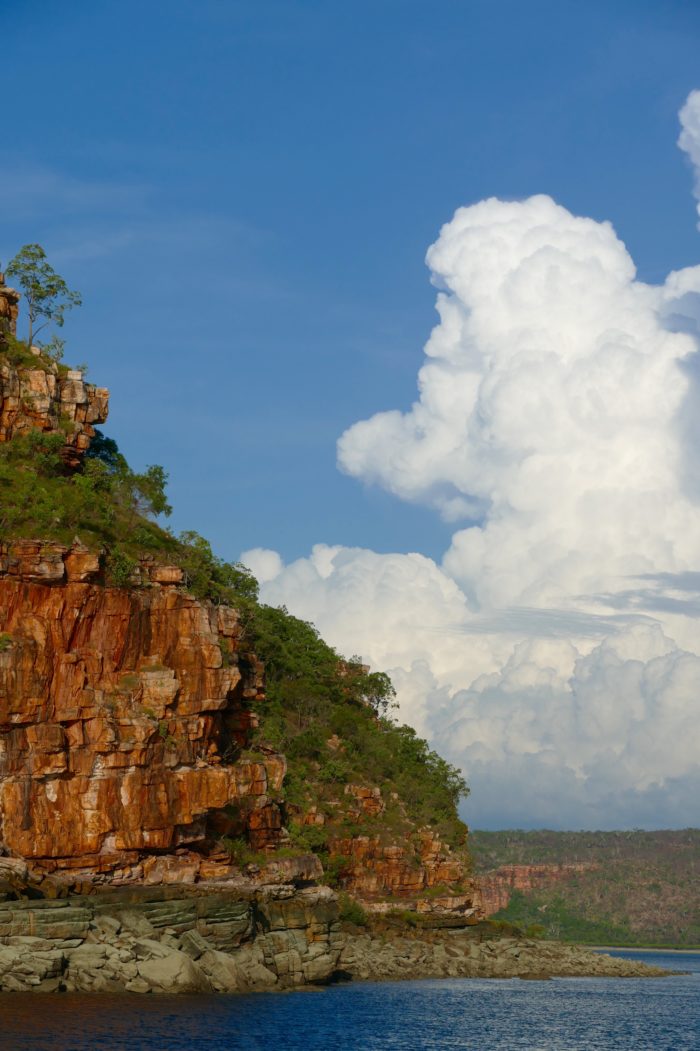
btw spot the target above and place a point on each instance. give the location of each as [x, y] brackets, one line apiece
[107, 506]
[332, 720]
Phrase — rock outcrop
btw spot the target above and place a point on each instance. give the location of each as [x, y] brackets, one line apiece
[170, 940]
[213, 939]
[123, 714]
[51, 399]
[461, 954]
[9, 308]
[374, 870]
[382, 865]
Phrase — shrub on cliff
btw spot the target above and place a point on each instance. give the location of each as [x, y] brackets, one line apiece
[331, 718]
[350, 911]
[104, 503]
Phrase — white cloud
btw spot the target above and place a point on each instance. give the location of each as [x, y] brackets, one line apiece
[263, 563]
[689, 138]
[554, 654]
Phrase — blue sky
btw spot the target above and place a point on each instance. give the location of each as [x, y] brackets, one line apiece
[244, 193]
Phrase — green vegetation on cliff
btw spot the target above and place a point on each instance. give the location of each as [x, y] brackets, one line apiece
[331, 719]
[107, 506]
[638, 888]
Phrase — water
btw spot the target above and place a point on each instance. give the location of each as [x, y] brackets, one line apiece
[570, 1014]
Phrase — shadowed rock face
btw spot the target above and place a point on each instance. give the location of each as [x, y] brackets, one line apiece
[120, 723]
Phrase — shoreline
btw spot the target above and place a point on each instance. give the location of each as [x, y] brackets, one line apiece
[639, 948]
[457, 955]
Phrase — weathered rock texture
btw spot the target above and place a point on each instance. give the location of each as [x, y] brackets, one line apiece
[497, 887]
[9, 307]
[53, 400]
[376, 870]
[209, 939]
[384, 868]
[125, 715]
[122, 718]
[170, 940]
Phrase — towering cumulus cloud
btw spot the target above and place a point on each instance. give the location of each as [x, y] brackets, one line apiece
[554, 653]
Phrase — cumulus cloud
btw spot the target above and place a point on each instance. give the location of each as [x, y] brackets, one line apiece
[553, 654]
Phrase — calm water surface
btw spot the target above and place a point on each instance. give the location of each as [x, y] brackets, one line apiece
[446, 1015]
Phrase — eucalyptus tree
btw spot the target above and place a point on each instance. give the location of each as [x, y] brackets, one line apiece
[46, 294]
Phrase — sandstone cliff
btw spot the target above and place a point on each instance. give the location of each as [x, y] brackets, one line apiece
[119, 721]
[124, 718]
[9, 308]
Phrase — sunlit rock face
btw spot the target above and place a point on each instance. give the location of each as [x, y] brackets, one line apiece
[52, 401]
[120, 724]
[49, 398]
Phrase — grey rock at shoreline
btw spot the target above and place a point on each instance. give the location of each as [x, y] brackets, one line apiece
[455, 954]
[164, 942]
[214, 940]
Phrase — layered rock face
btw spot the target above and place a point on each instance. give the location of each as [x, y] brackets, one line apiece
[125, 715]
[374, 870]
[470, 953]
[170, 940]
[121, 721]
[52, 400]
[378, 868]
[496, 888]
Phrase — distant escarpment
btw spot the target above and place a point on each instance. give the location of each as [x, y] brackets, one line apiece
[621, 888]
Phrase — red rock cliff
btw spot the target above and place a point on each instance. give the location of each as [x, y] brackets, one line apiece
[120, 718]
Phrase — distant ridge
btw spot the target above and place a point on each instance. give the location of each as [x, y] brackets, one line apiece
[624, 888]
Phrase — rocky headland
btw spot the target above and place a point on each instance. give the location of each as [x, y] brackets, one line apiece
[176, 813]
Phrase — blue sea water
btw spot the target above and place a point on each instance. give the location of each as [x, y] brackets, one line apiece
[568, 1014]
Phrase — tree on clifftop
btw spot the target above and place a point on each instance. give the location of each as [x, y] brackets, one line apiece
[46, 294]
